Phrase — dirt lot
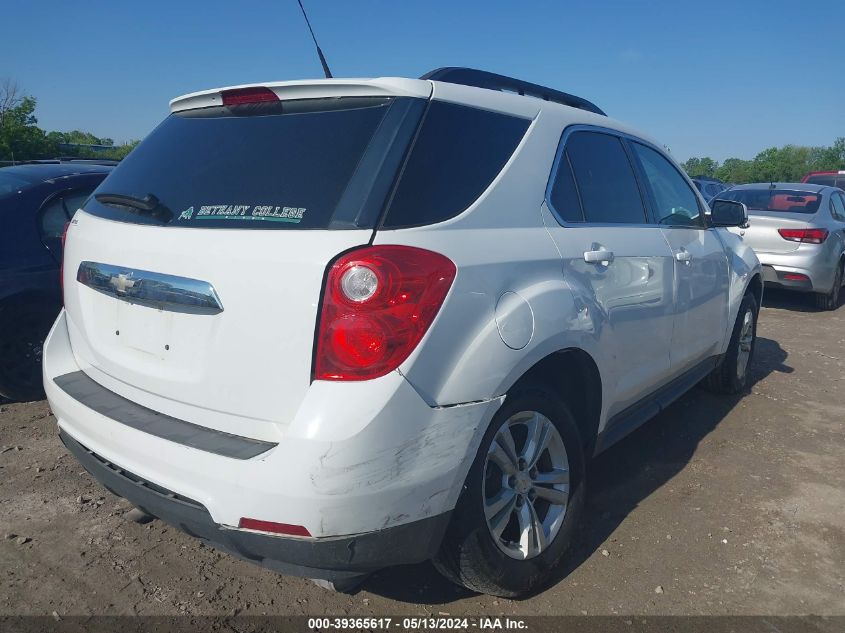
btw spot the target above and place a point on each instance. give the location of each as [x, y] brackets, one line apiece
[718, 506]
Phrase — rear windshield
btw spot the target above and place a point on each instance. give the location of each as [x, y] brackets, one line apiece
[831, 180]
[786, 200]
[337, 163]
[304, 164]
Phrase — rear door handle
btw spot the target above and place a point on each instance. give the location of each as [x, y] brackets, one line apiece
[683, 256]
[599, 256]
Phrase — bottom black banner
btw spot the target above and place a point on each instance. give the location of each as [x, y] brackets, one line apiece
[324, 624]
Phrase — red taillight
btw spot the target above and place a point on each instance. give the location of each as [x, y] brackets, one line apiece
[806, 236]
[795, 277]
[62, 264]
[378, 303]
[272, 527]
[240, 96]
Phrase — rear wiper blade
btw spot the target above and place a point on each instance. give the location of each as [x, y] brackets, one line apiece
[148, 205]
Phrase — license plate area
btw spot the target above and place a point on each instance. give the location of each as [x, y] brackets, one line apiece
[143, 329]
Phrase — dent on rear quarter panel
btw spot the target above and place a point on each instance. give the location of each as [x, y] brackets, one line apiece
[742, 266]
[409, 478]
[437, 447]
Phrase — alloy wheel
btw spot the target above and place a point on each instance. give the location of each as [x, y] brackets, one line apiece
[526, 485]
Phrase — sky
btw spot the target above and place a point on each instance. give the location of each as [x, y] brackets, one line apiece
[721, 78]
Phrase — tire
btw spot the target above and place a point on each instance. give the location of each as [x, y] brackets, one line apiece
[23, 328]
[470, 554]
[732, 375]
[830, 301]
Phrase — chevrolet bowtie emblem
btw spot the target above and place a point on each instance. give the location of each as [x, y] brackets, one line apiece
[122, 282]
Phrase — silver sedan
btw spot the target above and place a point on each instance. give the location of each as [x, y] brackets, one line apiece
[798, 233]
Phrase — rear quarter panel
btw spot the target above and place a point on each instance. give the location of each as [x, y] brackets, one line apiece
[743, 265]
[500, 245]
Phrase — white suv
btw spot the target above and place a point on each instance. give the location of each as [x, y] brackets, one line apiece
[333, 326]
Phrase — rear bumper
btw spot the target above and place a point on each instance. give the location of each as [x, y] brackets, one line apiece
[392, 476]
[331, 559]
[817, 265]
[777, 278]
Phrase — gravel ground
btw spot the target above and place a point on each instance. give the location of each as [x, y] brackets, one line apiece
[718, 506]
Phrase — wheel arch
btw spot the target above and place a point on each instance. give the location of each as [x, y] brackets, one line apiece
[574, 375]
[756, 286]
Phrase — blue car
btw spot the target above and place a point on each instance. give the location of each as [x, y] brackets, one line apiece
[36, 202]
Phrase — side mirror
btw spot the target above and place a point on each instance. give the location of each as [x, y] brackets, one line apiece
[728, 213]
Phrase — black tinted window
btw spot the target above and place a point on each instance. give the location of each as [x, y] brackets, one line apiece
[823, 179]
[564, 197]
[59, 210]
[606, 181]
[53, 219]
[674, 201]
[768, 199]
[303, 164]
[458, 153]
[712, 190]
[837, 206]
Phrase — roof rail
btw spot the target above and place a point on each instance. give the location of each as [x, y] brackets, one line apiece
[492, 81]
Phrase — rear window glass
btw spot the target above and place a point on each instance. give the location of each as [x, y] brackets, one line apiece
[831, 180]
[786, 200]
[457, 154]
[304, 164]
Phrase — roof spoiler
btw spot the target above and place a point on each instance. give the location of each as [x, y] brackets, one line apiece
[492, 81]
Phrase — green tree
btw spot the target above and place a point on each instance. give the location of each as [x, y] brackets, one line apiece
[785, 164]
[20, 136]
[776, 164]
[78, 137]
[828, 158]
[734, 170]
[705, 166]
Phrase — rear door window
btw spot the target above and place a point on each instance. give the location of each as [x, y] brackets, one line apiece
[457, 154]
[296, 164]
[673, 200]
[837, 206]
[605, 179]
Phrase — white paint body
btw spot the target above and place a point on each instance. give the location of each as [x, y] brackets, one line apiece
[355, 457]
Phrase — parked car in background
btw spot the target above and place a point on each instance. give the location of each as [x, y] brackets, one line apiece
[830, 178]
[36, 202]
[709, 187]
[334, 326]
[798, 232]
